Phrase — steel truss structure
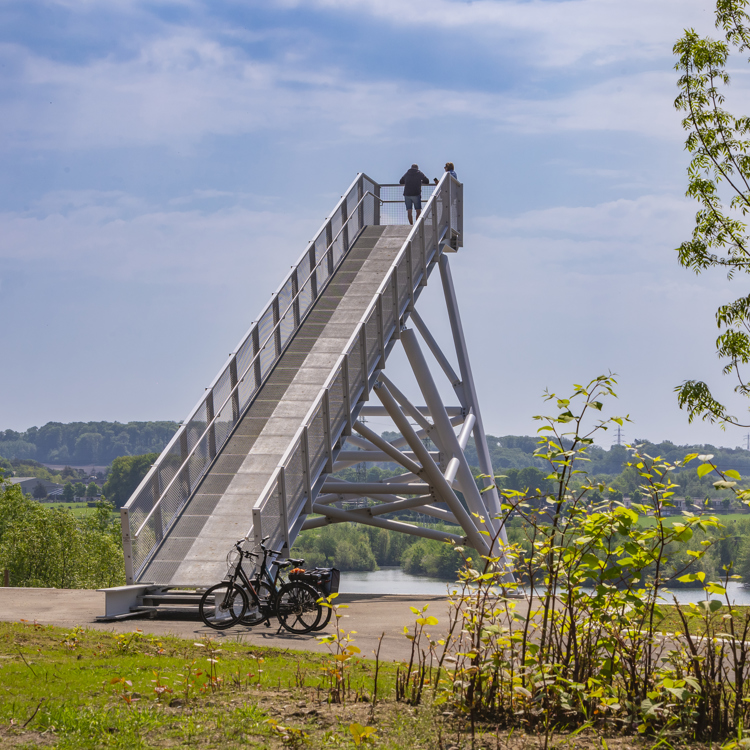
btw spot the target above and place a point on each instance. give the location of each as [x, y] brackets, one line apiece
[257, 456]
[429, 477]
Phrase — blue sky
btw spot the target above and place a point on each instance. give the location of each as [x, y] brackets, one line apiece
[163, 164]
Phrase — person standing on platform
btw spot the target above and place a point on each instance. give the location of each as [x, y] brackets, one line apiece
[412, 182]
[450, 169]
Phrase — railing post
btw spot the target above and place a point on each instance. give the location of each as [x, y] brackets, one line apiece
[233, 378]
[450, 207]
[295, 298]
[347, 394]
[410, 270]
[256, 354]
[381, 330]
[212, 428]
[282, 503]
[329, 248]
[327, 431]
[360, 202]
[313, 274]
[257, 528]
[394, 303]
[365, 373]
[185, 473]
[276, 327]
[306, 468]
[460, 213]
[435, 225]
[155, 494]
[376, 207]
[344, 229]
[423, 247]
[127, 546]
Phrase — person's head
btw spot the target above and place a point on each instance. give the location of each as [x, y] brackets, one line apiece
[415, 166]
[449, 166]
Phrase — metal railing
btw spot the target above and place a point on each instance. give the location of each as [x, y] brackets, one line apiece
[287, 497]
[155, 505]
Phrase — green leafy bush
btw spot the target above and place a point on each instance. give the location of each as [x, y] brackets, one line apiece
[50, 547]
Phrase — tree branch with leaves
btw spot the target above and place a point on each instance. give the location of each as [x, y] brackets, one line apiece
[719, 179]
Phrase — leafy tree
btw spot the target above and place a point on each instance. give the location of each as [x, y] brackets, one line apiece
[719, 179]
[68, 492]
[39, 492]
[50, 547]
[126, 474]
[92, 490]
[79, 488]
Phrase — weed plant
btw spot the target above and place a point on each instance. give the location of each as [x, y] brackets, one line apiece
[576, 640]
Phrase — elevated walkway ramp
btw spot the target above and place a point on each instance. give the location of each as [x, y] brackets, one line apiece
[252, 456]
[194, 549]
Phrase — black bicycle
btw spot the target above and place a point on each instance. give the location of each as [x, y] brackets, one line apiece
[253, 601]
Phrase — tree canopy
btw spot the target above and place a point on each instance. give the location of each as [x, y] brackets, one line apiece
[719, 179]
[126, 474]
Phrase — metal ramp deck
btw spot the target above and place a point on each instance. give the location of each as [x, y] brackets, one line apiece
[220, 510]
[253, 455]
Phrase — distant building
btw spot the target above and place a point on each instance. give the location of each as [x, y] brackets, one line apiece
[27, 484]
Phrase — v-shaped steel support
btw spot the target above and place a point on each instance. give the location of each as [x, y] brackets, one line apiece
[438, 484]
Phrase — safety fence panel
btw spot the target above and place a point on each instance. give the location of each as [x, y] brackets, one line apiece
[393, 208]
[163, 494]
[295, 488]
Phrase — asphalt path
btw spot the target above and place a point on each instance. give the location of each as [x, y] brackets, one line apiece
[370, 615]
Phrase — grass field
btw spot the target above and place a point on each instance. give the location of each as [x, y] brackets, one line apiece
[82, 689]
[91, 689]
[78, 509]
[669, 621]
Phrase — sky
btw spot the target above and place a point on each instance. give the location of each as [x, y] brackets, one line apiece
[162, 165]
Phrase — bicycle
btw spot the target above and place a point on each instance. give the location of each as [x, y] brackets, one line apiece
[224, 605]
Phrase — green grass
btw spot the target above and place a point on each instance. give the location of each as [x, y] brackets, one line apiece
[90, 689]
[669, 621]
[78, 509]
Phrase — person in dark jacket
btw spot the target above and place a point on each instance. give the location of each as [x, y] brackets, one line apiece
[412, 182]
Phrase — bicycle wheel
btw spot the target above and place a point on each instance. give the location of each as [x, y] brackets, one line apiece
[223, 605]
[259, 609]
[297, 607]
[325, 617]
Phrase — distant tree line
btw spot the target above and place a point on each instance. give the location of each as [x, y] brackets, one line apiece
[81, 443]
[364, 548]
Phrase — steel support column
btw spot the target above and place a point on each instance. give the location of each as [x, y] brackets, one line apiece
[467, 378]
[445, 430]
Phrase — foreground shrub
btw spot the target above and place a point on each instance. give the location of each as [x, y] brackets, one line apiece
[50, 547]
[582, 645]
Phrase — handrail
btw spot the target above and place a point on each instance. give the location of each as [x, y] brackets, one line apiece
[300, 287]
[319, 400]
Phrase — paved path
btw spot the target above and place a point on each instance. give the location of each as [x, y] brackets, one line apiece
[368, 614]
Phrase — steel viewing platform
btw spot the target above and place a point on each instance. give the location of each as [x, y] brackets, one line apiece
[256, 457]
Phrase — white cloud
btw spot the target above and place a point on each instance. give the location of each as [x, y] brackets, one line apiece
[548, 33]
[181, 88]
[116, 236]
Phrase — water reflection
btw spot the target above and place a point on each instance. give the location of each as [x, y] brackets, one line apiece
[395, 581]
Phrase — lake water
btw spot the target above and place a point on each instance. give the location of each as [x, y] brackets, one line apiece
[395, 581]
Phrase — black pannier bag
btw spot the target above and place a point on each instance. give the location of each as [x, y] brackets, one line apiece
[326, 580]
